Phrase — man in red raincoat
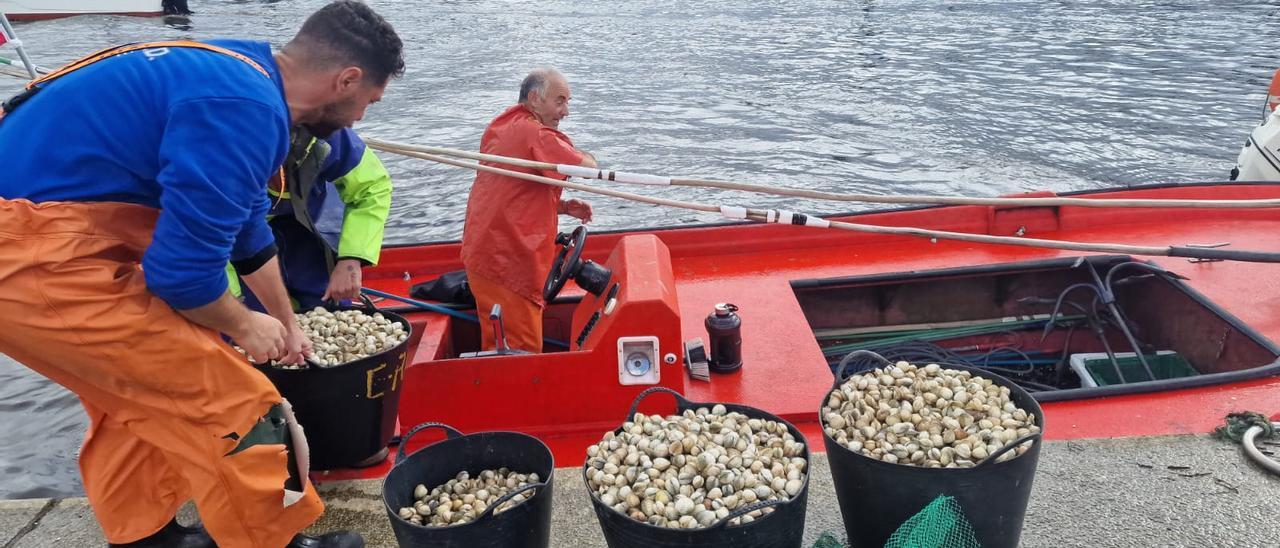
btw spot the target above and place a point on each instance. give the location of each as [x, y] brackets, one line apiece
[508, 241]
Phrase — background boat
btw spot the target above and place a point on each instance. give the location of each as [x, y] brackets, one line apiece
[32, 10]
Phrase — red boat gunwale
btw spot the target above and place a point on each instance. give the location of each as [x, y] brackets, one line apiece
[784, 372]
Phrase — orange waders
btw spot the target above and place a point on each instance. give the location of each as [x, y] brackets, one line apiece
[521, 317]
[175, 412]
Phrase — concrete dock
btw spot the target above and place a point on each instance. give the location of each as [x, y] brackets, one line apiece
[1139, 492]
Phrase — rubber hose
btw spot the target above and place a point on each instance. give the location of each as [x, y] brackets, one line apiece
[1252, 450]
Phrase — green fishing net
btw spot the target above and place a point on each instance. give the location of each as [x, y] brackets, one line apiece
[1239, 422]
[828, 540]
[941, 524]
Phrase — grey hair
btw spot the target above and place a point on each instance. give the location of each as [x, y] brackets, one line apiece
[537, 80]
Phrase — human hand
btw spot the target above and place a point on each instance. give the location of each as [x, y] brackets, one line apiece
[578, 209]
[297, 347]
[261, 337]
[344, 282]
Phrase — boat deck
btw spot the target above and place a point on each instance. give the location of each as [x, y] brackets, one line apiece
[1116, 493]
[786, 373]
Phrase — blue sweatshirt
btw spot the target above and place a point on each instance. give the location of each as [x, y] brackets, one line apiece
[194, 133]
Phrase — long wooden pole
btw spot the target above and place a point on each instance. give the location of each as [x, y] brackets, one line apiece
[766, 215]
[562, 184]
[16, 73]
[13, 63]
[401, 148]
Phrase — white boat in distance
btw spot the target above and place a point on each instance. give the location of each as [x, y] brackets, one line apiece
[29, 10]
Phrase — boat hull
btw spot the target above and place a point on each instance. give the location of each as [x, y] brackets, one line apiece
[755, 266]
[35, 10]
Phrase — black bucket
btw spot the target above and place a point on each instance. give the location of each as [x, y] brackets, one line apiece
[877, 497]
[784, 527]
[348, 412]
[526, 525]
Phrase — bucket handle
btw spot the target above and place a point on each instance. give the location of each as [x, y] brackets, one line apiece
[744, 511]
[839, 374]
[369, 307]
[636, 404]
[504, 498]
[450, 433]
[1008, 447]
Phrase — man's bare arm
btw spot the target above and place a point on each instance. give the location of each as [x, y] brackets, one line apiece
[260, 335]
[268, 285]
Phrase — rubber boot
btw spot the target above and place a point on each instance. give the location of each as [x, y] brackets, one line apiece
[174, 535]
[374, 460]
[336, 539]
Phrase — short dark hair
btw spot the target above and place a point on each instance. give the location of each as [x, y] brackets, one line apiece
[349, 33]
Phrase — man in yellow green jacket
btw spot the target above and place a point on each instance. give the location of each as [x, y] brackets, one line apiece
[328, 216]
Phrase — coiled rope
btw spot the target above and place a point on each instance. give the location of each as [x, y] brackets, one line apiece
[1245, 428]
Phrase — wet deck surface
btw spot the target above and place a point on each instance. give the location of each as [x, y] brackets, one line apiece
[1153, 491]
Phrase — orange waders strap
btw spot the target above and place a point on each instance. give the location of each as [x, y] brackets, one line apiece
[31, 88]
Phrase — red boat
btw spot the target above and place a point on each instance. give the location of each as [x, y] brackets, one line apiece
[804, 293]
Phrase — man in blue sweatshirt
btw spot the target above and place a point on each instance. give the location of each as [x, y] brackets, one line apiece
[130, 179]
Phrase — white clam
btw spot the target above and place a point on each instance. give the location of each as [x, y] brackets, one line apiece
[925, 416]
[693, 469]
[464, 498]
[345, 336]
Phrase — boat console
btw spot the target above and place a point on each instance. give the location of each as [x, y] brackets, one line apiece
[621, 342]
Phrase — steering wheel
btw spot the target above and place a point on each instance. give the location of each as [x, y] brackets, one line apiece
[566, 263]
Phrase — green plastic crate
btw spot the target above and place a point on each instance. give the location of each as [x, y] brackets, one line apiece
[1097, 367]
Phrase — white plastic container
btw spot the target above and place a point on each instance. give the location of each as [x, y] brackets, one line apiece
[1086, 380]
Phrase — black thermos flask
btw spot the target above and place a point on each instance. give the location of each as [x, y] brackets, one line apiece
[724, 331]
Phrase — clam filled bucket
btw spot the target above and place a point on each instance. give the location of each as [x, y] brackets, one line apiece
[347, 408]
[482, 490]
[711, 475]
[900, 436]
